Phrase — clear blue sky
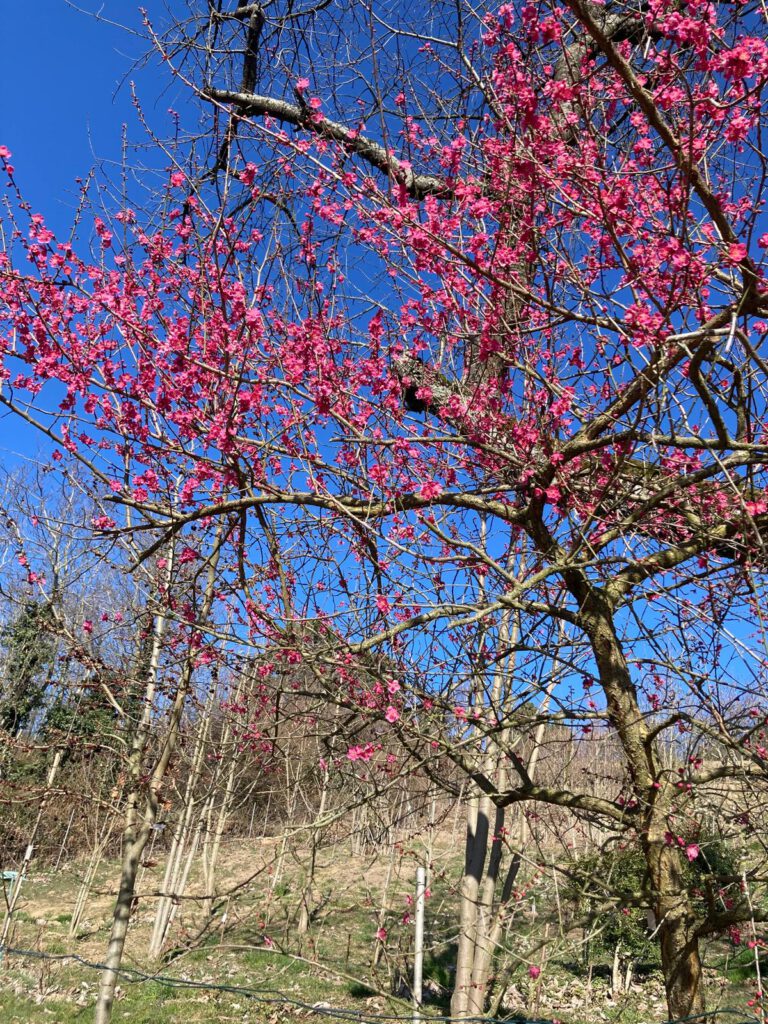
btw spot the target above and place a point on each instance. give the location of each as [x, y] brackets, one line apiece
[64, 83]
[65, 96]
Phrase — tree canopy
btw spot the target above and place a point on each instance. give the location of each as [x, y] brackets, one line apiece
[454, 347]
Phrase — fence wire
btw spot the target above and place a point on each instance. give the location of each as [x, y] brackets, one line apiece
[275, 998]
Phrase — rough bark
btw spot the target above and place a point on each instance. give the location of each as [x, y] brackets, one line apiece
[672, 905]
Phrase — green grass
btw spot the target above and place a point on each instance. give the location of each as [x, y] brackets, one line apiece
[153, 1002]
[337, 954]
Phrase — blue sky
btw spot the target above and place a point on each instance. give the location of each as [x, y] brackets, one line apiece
[65, 85]
[62, 109]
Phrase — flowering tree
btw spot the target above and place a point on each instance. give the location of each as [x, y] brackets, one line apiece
[466, 367]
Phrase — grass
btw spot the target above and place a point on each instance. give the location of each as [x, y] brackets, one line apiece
[253, 944]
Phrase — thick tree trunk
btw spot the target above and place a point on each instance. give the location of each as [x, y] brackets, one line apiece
[680, 957]
[483, 906]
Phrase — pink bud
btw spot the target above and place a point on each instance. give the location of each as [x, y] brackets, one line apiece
[534, 971]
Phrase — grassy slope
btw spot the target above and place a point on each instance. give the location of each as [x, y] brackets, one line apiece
[245, 948]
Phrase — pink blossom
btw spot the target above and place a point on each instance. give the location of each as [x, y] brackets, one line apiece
[430, 489]
[248, 174]
[361, 753]
[302, 84]
[392, 714]
[381, 934]
[177, 179]
[691, 851]
[103, 523]
[87, 626]
[534, 971]
[737, 252]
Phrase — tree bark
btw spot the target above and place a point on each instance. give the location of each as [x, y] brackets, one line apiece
[678, 937]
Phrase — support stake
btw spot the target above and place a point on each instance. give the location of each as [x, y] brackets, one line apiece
[418, 950]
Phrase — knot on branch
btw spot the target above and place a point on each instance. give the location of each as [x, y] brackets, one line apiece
[425, 389]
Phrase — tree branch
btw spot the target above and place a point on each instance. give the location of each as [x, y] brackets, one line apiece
[252, 105]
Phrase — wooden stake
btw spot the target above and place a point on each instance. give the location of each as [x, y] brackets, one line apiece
[418, 950]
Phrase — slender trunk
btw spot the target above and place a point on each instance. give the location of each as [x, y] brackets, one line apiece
[218, 832]
[83, 892]
[181, 884]
[382, 916]
[229, 748]
[307, 898]
[173, 867]
[64, 840]
[678, 938]
[208, 862]
[475, 851]
[133, 841]
[138, 828]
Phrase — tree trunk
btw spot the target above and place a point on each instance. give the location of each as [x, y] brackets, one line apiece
[90, 873]
[121, 917]
[134, 841]
[14, 897]
[678, 938]
[173, 869]
[475, 850]
[680, 958]
[135, 836]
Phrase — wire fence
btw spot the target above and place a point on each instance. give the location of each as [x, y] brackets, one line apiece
[274, 998]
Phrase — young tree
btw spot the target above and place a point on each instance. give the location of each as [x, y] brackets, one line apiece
[469, 335]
